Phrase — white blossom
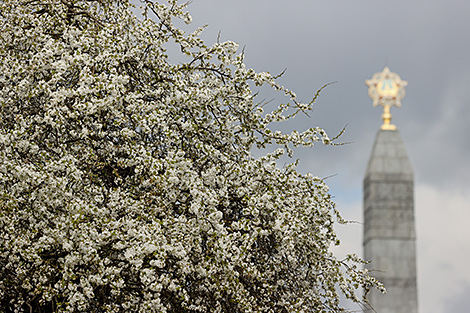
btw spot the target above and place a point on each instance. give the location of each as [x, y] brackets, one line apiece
[127, 180]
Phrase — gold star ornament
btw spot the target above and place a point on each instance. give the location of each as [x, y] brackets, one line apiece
[386, 89]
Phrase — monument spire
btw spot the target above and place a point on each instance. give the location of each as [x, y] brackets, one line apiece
[389, 231]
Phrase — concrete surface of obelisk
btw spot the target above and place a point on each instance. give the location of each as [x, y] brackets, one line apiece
[389, 225]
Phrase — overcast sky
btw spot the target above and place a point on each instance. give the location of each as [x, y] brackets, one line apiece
[428, 44]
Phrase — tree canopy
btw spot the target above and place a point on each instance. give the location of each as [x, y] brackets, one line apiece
[127, 180]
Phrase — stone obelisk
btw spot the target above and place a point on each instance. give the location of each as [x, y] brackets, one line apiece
[389, 226]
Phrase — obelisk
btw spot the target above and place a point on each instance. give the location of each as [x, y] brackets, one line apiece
[389, 226]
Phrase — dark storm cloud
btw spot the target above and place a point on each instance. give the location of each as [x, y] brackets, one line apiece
[348, 41]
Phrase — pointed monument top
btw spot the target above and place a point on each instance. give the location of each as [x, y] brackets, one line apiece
[387, 89]
[389, 159]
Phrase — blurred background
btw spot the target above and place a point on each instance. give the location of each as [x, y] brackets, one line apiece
[428, 44]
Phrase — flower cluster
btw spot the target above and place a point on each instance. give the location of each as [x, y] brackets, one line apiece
[127, 183]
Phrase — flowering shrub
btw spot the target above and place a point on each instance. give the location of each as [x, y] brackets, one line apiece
[127, 182]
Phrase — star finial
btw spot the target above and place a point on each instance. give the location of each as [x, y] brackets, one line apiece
[386, 89]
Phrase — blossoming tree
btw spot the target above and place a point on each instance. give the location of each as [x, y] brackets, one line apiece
[127, 182]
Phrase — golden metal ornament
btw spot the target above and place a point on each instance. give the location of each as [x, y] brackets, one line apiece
[386, 89]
